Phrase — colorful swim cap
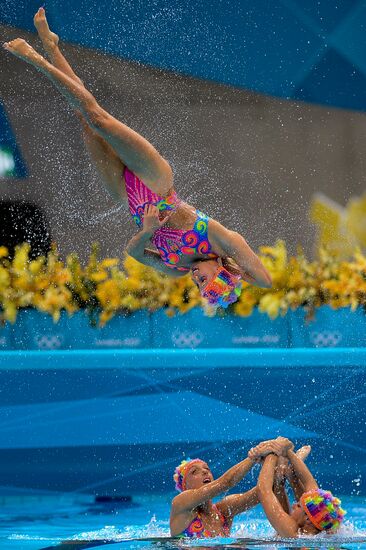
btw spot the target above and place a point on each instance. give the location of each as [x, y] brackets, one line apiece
[223, 289]
[323, 509]
[182, 470]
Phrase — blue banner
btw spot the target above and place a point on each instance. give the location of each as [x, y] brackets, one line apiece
[329, 329]
[195, 330]
[36, 331]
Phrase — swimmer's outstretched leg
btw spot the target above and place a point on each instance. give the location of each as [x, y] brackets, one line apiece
[50, 43]
[107, 162]
[133, 150]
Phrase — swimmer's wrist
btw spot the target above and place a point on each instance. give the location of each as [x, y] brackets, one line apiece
[290, 475]
[147, 232]
[136, 246]
[280, 481]
[271, 457]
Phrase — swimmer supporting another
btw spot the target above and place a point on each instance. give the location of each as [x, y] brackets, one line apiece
[193, 514]
[185, 239]
[315, 511]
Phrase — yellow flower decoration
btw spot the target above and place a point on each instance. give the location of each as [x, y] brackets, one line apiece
[103, 288]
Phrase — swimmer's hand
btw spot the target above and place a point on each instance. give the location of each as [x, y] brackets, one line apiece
[286, 445]
[263, 449]
[279, 447]
[283, 468]
[151, 221]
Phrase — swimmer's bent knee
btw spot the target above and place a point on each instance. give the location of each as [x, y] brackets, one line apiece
[98, 118]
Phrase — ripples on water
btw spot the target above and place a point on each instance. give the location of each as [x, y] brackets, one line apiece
[50, 523]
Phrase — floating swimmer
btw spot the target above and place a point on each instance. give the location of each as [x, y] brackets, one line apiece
[193, 514]
[186, 239]
[315, 511]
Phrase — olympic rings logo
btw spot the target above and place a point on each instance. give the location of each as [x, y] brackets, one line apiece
[50, 341]
[187, 339]
[325, 339]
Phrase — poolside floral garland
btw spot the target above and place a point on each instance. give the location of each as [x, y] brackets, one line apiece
[108, 286]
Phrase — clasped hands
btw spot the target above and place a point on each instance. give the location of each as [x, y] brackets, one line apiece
[279, 447]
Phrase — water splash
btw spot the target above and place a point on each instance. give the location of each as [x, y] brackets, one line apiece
[155, 528]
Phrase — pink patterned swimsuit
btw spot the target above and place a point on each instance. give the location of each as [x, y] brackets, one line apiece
[171, 244]
[196, 529]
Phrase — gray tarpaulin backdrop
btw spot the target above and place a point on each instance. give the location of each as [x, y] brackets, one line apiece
[249, 160]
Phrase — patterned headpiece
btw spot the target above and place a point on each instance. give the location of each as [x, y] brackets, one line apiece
[181, 471]
[323, 509]
[223, 289]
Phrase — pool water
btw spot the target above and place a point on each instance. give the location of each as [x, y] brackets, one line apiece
[40, 522]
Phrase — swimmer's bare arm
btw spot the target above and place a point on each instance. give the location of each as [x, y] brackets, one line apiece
[279, 489]
[232, 505]
[283, 471]
[236, 247]
[190, 499]
[302, 472]
[137, 249]
[296, 485]
[137, 245]
[276, 515]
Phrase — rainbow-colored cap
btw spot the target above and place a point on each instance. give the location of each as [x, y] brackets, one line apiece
[223, 289]
[323, 509]
[182, 470]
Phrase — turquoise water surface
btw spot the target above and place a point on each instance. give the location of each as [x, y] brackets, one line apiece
[84, 423]
[48, 521]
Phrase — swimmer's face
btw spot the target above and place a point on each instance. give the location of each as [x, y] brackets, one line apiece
[302, 520]
[198, 475]
[298, 514]
[202, 272]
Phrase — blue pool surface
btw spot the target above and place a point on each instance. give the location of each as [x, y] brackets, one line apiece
[64, 412]
[83, 423]
[39, 522]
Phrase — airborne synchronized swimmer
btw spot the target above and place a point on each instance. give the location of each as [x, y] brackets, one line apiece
[184, 238]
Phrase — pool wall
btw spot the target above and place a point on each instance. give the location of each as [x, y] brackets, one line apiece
[117, 421]
[193, 330]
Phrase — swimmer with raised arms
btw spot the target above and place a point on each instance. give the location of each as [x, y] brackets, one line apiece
[314, 512]
[193, 514]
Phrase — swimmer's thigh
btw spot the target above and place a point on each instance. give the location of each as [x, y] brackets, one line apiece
[135, 152]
